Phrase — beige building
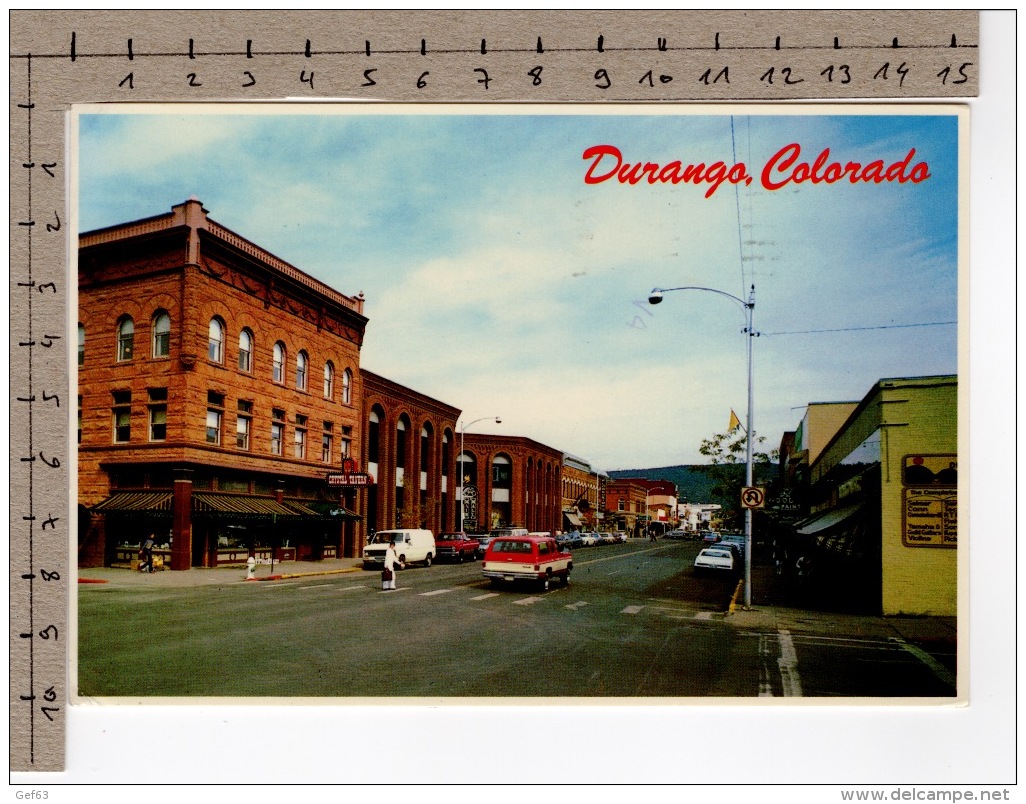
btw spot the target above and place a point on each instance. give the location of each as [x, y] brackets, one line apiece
[884, 495]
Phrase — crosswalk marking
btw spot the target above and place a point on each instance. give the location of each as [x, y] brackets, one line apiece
[527, 601]
[703, 615]
[632, 610]
[485, 597]
[436, 592]
[577, 605]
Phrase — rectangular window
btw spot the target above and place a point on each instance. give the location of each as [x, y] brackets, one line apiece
[215, 399]
[213, 426]
[300, 443]
[277, 436]
[80, 420]
[326, 447]
[346, 447]
[158, 422]
[122, 416]
[242, 432]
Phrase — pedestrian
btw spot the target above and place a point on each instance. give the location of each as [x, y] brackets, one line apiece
[146, 554]
[392, 565]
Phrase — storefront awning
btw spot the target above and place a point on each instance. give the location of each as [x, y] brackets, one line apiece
[841, 532]
[135, 501]
[573, 519]
[322, 510]
[821, 522]
[213, 503]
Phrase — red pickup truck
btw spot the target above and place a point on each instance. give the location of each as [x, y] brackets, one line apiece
[456, 547]
[526, 558]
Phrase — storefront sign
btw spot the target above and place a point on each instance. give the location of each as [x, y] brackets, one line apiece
[930, 501]
[348, 480]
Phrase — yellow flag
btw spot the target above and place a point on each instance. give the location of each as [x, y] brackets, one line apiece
[735, 422]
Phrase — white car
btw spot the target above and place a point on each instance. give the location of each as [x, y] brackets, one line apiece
[589, 539]
[712, 558]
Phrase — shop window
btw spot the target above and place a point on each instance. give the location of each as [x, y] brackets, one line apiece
[158, 414]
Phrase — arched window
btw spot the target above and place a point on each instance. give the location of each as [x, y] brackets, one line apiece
[329, 380]
[246, 351]
[278, 362]
[347, 387]
[81, 344]
[215, 347]
[161, 334]
[301, 364]
[126, 337]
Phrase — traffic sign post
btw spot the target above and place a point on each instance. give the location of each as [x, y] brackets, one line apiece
[753, 497]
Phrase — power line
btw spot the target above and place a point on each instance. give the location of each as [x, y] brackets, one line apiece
[859, 329]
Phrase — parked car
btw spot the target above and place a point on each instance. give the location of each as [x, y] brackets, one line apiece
[710, 537]
[714, 558]
[735, 539]
[621, 536]
[675, 534]
[485, 538]
[458, 547]
[568, 541]
[589, 539]
[537, 559]
[411, 545]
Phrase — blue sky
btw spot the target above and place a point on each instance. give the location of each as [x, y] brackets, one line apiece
[498, 281]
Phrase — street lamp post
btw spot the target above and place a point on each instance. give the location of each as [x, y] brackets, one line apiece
[655, 297]
[463, 430]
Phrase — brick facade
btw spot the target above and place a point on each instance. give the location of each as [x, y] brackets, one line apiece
[176, 405]
[412, 456]
[517, 482]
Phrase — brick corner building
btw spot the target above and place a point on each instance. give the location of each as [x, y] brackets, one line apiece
[217, 387]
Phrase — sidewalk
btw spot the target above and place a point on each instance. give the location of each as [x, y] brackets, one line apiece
[222, 575]
[845, 626]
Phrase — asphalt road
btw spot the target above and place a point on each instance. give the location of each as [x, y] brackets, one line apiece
[635, 622]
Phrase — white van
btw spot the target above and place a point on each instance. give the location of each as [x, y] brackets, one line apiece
[411, 545]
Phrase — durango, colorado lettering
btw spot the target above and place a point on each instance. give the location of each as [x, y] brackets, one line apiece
[781, 169]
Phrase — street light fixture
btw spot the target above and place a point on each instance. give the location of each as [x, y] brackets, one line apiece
[463, 430]
[655, 297]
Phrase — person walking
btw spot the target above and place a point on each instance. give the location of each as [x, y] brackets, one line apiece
[147, 554]
[392, 565]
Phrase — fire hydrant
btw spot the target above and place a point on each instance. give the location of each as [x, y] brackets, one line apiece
[251, 568]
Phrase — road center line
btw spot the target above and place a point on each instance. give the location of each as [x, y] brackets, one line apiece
[436, 592]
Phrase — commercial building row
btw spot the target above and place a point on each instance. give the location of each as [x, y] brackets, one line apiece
[222, 407]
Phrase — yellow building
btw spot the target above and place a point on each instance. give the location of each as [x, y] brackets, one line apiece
[884, 494]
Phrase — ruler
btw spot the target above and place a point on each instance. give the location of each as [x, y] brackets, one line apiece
[59, 58]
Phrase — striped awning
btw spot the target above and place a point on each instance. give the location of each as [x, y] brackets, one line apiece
[135, 501]
[213, 503]
[322, 510]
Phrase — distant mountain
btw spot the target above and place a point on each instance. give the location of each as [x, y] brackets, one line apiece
[694, 483]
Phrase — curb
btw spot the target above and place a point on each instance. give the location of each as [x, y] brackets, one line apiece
[303, 574]
[92, 580]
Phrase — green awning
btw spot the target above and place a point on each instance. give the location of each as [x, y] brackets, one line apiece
[323, 510]
[135, 501]
[215, 503]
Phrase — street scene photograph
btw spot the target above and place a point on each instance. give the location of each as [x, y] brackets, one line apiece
[524, 404]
